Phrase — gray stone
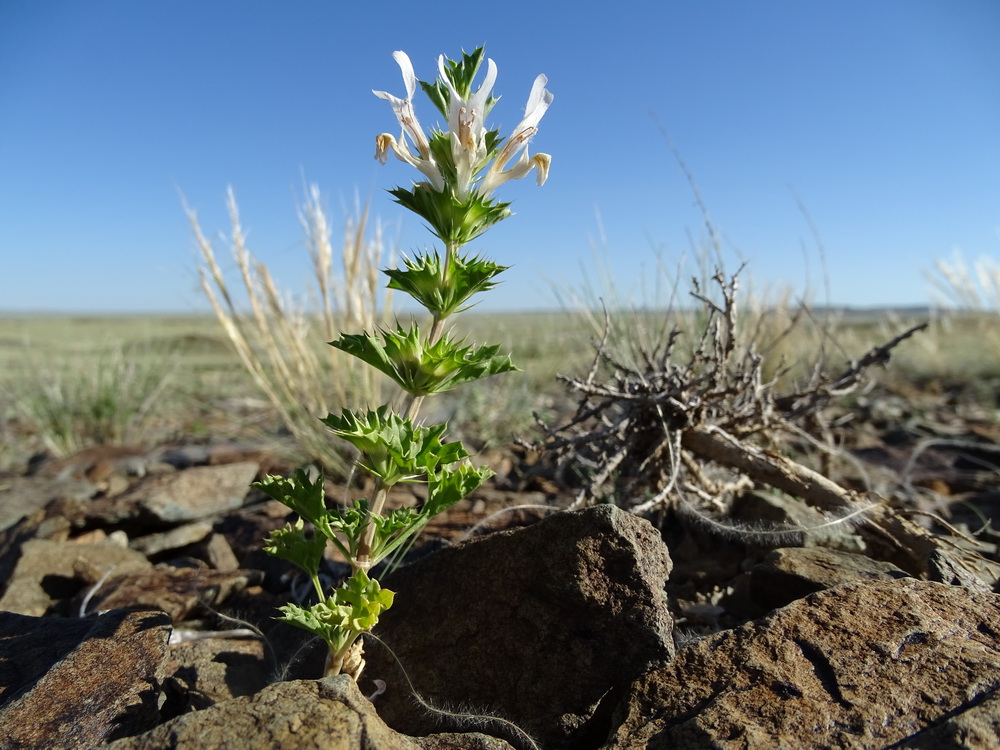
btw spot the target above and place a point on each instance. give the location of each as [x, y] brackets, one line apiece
[863, 665]
[219, 554]
[535, 625]
[179, 497]
[329, 714]
[178, 537]
[22, 496]
[79, 682]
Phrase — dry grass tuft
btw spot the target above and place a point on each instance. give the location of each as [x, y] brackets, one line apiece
[283, 347]
[977, 289]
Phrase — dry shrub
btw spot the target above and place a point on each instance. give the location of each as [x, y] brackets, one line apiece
[693, 413]
[283, 346]
[690, 433]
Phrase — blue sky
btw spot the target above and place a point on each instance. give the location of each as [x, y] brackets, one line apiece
[881, 118]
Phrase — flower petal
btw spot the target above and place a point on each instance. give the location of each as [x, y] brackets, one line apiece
[406, 67]
[403, 108]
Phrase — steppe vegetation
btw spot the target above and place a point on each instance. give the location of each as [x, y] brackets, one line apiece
[73, 381]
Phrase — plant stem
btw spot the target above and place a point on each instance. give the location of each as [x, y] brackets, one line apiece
[319, 588]
[381, 492]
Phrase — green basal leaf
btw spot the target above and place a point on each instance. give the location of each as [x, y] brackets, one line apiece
[444, 292]
[291, 543]
[456, 222]
[303, 495]
[352, 609]
[317, 620]
[391, 447]
[422, 368]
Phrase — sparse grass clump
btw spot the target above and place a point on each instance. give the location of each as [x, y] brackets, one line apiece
[108, 396]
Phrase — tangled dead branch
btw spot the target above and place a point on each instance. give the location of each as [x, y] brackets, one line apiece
[691, 428]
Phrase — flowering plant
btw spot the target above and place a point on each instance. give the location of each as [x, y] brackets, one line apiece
[463, 165]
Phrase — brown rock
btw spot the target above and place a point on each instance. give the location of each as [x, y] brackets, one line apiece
[48, 572]
[329, 714]
[97, 463]
[79, 683]
[787, 574]
[975, 728]
[177, 591]
[862, 666]
[204, 672]
[535, 625]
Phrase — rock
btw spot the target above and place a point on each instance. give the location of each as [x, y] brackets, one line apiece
[12, 541]
[535, 625]
[179, 497]
[863, 665]
[97, 463]
[329, 714]
[976, 727]
[177, 591]
[207, 671]
[219, 554]
[787, 574]
[48, 572]
[165, 541]
[79, 682]
[22, 496]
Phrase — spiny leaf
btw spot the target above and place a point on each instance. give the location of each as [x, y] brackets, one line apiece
[442, 291]
[455, 222]
[422, 368]
[291, 544]
[392, 448]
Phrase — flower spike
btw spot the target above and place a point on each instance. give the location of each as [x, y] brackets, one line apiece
[466, 161]
[466, 122]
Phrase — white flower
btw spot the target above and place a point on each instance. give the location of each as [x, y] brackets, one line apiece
[411, 129]
[467, 127]
[467, 134]
[538, 102]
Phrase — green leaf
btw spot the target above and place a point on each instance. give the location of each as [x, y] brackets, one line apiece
[391, 447]
[317, 620]
[444, 291]
[352, 609]
[421, 368]
[303, 495]
[456, 222]
[452, 485]
[291, 543]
